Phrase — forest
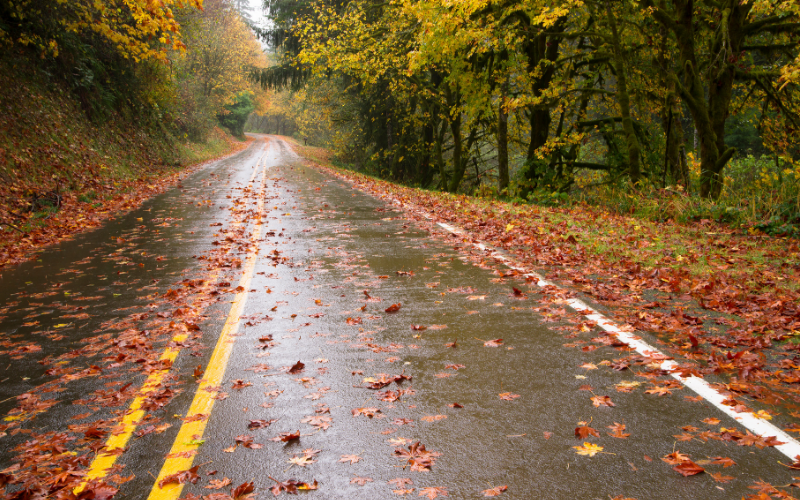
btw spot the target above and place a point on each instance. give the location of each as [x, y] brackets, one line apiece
[678, 109]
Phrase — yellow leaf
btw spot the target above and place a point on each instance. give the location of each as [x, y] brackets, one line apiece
[588, 449]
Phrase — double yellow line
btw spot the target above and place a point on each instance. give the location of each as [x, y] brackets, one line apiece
[190, 434]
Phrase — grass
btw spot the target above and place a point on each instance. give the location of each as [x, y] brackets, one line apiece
[760, 194]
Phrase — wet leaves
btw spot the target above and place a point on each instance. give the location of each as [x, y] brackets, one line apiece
[292, 486]
[182, 477]
[493, 343]
[618, 431]
[321, 422]
[260, 424]
[599, 401]
[296, 368]
[432, 492]
[367, 412]
[285, 437]
[588, 449]
[497, 490]
[583, 431]
[419, 458]
[349, 459]
[393, 308]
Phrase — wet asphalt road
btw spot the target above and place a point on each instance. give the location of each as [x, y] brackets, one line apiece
[325, 262]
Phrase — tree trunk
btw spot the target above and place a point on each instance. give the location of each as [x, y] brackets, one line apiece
[631, 141]
[459, 166]
[502, 141]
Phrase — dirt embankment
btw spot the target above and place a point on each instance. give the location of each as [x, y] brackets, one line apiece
[62, 173]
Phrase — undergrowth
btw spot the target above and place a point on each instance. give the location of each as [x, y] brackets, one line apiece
[760, 195]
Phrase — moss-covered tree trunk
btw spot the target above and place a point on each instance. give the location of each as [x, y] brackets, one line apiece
[624, 100]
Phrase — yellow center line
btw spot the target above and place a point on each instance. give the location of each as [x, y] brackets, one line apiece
[190, 435]
[105, 461]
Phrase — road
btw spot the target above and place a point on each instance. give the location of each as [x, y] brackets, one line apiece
[179, 351]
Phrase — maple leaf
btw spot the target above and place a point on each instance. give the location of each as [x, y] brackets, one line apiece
[718, 477]
[688, 468]
[455, 405]
[432, 492]
[433, 418]
[319, 421]
[618, 431]
[508, 396]
[497, 490]
[626, 386]
[217, 484]
[367, 412]
[658, 390]
[583, 431]
[353, 321]
[302, 461]
[296, 368]
[259, 424]
[287, 436]
[247, 442]
[451, 344]
[361, 481]
[418, 328]
[588, 449]
[393, 308]
[388, 396]
[240, 384]
[711, 421]
[589, 366]
[399, 482]
[350, 458]
[599, 401]
[676, 457]
[493, 343]
[291, 486]
[402, 492]
[181, 477]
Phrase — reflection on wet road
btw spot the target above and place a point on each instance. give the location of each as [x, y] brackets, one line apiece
[266, 323]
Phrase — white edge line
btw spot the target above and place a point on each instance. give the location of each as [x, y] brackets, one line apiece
[759, 426]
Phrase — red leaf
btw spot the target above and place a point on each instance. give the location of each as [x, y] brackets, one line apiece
[393, 308]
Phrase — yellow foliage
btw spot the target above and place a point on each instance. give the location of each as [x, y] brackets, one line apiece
[137, 29]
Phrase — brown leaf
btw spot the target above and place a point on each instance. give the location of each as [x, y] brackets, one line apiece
[688, 468]
[618, 431]
[497, 490]
[361, 481]
[584, 431]
[393, 308]
[432, 492]
[216, 484]
[181, 477]
[287, 436]
[296, 368]
[493, 343]
[598, 401]
[350, 458]
[718, 477]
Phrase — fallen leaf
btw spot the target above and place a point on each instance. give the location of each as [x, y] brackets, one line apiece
[497, 490]
[588, 449]
[393, 308]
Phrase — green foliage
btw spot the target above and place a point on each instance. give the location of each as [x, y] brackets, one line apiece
[235, 114]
